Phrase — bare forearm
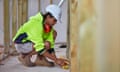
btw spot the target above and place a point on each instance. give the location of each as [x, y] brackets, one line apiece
[50, 56]
[53, 54]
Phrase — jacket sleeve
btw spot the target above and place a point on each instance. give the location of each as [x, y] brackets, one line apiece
[50, 38]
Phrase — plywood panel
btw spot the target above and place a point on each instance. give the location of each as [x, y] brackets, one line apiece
[112, 34]
[108, 49]
[100, 51]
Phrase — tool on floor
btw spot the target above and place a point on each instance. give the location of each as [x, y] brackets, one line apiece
[66, 63]
[66, 66]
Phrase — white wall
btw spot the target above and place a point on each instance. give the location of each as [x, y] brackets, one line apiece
[44, 4]
[61, 28]
[1, 22]
[32, 7]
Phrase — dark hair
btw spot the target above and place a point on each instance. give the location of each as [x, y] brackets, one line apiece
[46, 14]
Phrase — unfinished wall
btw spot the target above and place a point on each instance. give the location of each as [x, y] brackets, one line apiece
[33, 8]
[13, 13]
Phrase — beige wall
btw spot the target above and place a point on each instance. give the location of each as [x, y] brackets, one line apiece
[109, 28]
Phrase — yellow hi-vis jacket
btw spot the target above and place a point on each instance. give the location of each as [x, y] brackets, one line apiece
[35, 32]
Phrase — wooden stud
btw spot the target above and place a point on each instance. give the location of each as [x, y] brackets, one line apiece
[82, 46]
[14, 20]
[20, 12]
[24, 11]
[51, 1]
[68, 32]
[6, 27]
[39, 5]
[73, 36]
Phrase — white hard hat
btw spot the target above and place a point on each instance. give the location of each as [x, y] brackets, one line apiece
[55, 10]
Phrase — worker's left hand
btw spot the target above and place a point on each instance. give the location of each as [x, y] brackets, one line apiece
[63, 62]
[59, 62]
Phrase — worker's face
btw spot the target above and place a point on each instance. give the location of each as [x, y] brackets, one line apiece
[51, 20]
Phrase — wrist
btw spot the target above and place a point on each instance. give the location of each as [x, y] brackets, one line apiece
[55, 60]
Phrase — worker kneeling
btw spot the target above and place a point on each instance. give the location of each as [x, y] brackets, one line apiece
[37, 36]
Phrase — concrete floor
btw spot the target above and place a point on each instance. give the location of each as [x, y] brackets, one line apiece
[13, 65]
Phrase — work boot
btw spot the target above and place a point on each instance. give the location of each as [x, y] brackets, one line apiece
[26, 61]
[42, 61]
